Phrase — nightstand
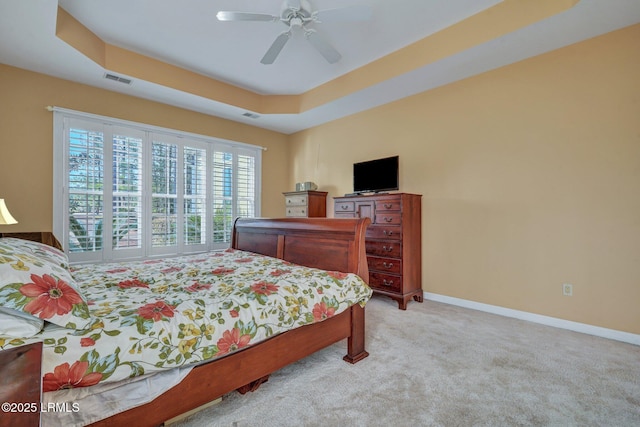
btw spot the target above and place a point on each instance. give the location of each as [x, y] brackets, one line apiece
[20, 384]
[45, 237]
[305, 204]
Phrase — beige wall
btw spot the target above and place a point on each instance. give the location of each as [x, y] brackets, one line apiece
[26, 135]
[530, 176]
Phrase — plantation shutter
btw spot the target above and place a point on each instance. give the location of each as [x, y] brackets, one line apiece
[125, 225]
[164, 197]
[194, 222]
[85, 197]
[124, 190]
[103, 219]
[235, 194]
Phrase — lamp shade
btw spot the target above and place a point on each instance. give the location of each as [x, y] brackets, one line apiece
[5, 216]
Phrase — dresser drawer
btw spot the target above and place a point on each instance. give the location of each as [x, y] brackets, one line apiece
[386, 265]
[345, 215]
[388, 218]
[384, 249]
[297, 200]
[389, 232]
[388, 205]
[296, 211]
[383, 281]
[345, 207]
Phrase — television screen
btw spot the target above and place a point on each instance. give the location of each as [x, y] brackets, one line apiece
[376, 175]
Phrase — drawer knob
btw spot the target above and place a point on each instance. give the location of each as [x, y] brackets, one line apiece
[344, 207]
[289, 201]
[388, 205]
[387, 265]
[387, 283]
[388, 219]
[387, 248]
[387, 232]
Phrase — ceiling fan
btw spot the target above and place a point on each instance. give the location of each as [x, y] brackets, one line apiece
[299, 15]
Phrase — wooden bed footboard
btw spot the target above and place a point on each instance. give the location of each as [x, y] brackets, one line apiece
[330, 244]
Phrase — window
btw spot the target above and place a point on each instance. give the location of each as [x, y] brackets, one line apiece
[124, 190]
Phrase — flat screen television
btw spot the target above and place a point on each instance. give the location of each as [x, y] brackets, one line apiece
[376, 175]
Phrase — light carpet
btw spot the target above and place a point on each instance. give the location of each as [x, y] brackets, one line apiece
[441, 365]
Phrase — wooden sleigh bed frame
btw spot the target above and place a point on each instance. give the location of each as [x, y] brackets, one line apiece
[329, 244]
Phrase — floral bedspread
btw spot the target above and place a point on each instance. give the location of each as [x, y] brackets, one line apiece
[147, 316]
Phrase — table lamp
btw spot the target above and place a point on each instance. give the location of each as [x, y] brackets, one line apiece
[5, 216]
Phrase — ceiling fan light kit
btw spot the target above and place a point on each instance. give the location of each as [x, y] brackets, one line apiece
[300, 15]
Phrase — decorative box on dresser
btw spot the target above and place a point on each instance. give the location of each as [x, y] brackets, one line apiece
[393, 242]
[305, 204]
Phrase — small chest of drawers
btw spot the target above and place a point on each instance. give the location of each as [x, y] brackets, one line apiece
[305, 204]
[393, 242]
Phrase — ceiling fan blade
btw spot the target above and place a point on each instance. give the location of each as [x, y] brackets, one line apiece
[345, 14]
[275, 48]
[324, 47]
[244, 16]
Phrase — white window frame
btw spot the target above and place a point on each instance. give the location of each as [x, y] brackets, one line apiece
[61, 120]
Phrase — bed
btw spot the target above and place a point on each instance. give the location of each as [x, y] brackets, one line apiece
[277, 246]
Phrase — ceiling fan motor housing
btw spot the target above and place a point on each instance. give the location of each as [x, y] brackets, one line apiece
[292, 9]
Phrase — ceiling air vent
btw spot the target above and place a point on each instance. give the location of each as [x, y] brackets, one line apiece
[117, 78]
[251, 115]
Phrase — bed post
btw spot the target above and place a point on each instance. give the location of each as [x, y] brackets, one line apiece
[355, 342]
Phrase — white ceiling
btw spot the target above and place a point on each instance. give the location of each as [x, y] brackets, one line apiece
[187, 34]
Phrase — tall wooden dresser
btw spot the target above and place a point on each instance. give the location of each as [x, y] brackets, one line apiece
[393, 242]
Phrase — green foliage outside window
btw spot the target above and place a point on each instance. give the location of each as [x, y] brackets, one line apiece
[82, 240]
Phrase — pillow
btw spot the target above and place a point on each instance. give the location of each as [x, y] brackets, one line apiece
[17, 324]
[35, 279]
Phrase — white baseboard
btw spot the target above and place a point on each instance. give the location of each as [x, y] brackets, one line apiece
[537, 318]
